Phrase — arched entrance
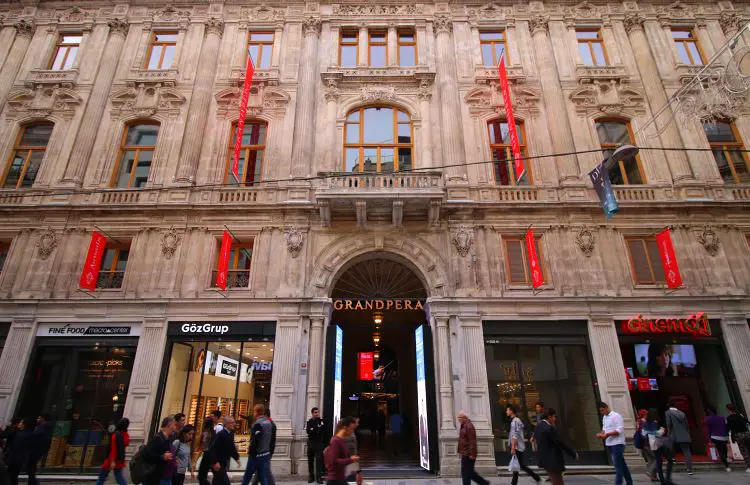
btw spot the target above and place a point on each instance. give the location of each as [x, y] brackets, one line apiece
[379, 364]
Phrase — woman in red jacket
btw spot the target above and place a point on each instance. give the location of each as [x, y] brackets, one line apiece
[118, 441]
[336, 455]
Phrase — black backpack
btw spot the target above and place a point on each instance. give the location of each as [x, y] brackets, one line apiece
[140, 470]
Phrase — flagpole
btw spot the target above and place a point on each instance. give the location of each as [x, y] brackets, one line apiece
[98, 229]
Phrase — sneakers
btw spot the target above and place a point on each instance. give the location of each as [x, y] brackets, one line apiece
[690, 473]
[747, 470]
[729, 469]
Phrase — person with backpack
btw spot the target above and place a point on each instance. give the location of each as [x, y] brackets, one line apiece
[115, 460]
[182, 454]
[640, 441]
[660, 444]
[336, 455]
[272, 447]
[208, 437]
[158, 453]
[737, 425]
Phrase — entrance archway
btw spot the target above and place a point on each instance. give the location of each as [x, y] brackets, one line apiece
[379, 364]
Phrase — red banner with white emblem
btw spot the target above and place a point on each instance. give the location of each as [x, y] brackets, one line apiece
[90, 273]
[537, 278]
[364, 365]
[243, 113]
[668, 259]
[515, 146]
[223, 266]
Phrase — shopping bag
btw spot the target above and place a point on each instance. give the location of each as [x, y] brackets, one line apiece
[514, 465]
[712, 452]
[735, 454]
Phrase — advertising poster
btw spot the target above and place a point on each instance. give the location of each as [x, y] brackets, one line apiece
[227, 368]
[364, 366]
[337, 375]
[424, 439]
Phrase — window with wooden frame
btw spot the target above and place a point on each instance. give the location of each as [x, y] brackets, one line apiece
[407, 48]
[260, 48]
[26, 158]
[377, 48]
[493, 46]
[517, 265]
[4, 250]
[688, 47]
[378, 139]
[240, 258]
[502, 153]
[645, 262]
[161, 50]
[613, 133]
[114, 261]
[349, 48]
[252, 152]
[727, 148]
[591, 47]
[136, 155]
[66, 51]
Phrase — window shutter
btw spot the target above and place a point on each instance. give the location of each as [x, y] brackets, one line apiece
[653, 255]
[639, 258]
[516, 262]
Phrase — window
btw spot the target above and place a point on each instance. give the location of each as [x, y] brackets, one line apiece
[517, 266]
[645, 261]
[136, 155]
[161, 50]
[725, 143]
[687, 47]
[377, 139]
[260, 47]
[240, 257]
[377, 55]
[112, 271]
[349, 48]
[493, 46]
[591, 47]
[4, 250]
[613, 133]
[251, 153]
[407, 48]
[27, 156]
[502, 154]
[65, 52]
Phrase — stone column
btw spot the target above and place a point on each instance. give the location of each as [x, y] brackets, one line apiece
[97, 102]
[554, 101]
[330, 146]
[14, 360]
[737, 340]
[304, 113]
[442, 345]
[476, 46]
[195, 124]
[276, 51]
[450, 107]
[24, 33]
[392, 46]
[315, 366]
[657, 97]
[362, 44]
[425, 95]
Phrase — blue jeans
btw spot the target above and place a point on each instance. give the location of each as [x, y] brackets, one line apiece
[165, 481]
[621, 468]
[105, 473]
[260, 464]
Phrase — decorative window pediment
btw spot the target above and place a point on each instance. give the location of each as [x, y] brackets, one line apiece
[76, 17]
[146, 100]
[42, 101]
[269, 101]
[609, 97]
[485, 100]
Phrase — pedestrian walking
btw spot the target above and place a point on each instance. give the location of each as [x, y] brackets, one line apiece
[19, 451]
[115, 460]
[550, 447]
[336, 455]
[315, 428]
[40, 444]
[353, 469]
[640, 440]
[679, 430]
[737, 425]
[272, 448]
[158, 452]
[259, 458]
[179, 422]
[6, 438]
[518, 444]
[222, 451]
[208, 437]
[182, 452]
[660, 445]
[716, 430]
[613, 434]
[467, 450]
[218, 422]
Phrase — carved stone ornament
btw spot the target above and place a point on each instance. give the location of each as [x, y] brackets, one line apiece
[169, 13]
[25, 28]
[295, 240]
[41, 101]
[709, 240]
[585, 10]
[485, 100]
[147, 99]
[214, 26]
[47, 242]
[730, 22]
[609, 97]
[376, 10]
[263, 13]
[269, 101]
[311, 25]
[169, 242]
[442, 23]
[377, 93]
[539, 23]
[586, 241]
[118, 27]
[76, 14]
[488, 11]
[462, 238]
[678, 11]
[633, 21]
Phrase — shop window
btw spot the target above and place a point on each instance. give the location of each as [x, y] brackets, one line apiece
[252, 152]
[27, 156]
[517, 266]
[502, 154]
[260, 47]
[4, 250]
[349, 48]
[161, 50]
[114, 262]
[377, 48]
[645, 261]
[66, 52]
[407, 48]
[727, 148]
[493, 46]
[240, 257]
[613, 133]
[136, 155]
[378, 139]
[688, 47]
[591, 47]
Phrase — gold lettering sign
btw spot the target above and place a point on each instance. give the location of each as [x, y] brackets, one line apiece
[410, 305]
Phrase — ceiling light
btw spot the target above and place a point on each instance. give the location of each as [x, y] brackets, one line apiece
[377, 318]
[376, 339]
[263, 345]
[255, 357]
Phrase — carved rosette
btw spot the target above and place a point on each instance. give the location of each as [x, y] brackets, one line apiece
[46, 243]
[295, 240]
[214, 26]
[709, 240]
[730, 22]
[586, 241]
[462, 238]
[539, 23]
[442, 24]
[169, 242]
[118, 27]
[311, 26]
[633, 22]
[25, 28]
[375, 93]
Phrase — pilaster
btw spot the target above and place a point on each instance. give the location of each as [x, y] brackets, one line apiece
[304, 114]
[737, 340]
[14, 360]
[24, 33]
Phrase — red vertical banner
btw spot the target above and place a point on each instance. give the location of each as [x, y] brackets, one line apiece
[90, 273]
[518, 165]
[223, 266]
[364, 366]
[537, 278]
[243, 113]
[668, 259]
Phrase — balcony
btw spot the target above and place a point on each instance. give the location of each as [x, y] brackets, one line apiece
[65, 78]
[110, 280]
[236, 278]
[589, 74]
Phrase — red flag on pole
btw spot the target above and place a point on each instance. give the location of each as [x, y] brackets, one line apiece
[518, 165]
[223, 267]
[90, 273]
[243, 113]
[537, 278]
[668, 259]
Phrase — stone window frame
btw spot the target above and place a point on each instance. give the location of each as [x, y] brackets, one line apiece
[413, 31]
[517, 237]
[15, 145]
[152, 42]
[241, 44]
[230, 152]
[118, 247]
[503, 30]
[248, 243]
[341, 44]
[56, 31]
[645, 239]
[143, 48]
[600, 39]
[360, 145]
[122, 148]
[53, 55]
[738, 144]
[693, 29]
[260, 43]
[631, 135]
[525, 146]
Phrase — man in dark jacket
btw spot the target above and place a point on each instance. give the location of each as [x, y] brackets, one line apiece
[40, 444]
[467, 449]
[261, 435]
[158, 452]
[222, 451]
[314, 429]
[550, 447]
[272, 448]
[17, 454]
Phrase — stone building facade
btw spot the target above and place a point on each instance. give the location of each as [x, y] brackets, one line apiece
[171, 76]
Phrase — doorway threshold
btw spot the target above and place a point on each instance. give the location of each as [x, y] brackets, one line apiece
[395, 471]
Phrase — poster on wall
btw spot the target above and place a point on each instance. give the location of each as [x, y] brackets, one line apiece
[364, 366]
[338, 360]
[424, 435]
[227, 368]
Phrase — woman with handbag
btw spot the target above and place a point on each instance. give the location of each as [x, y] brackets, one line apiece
[661, 445]
[518, 446]
[352, 472]
[336, 454]
[737, 425]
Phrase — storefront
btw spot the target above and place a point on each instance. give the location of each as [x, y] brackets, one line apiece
[549, 362]
[217, 365]
[79, 374]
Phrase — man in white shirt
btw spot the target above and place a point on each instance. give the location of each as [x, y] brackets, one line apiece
[613, 434]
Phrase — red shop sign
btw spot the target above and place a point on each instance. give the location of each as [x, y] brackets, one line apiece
[364, 366]
[696, 325]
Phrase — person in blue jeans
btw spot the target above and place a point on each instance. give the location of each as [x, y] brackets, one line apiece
[613, 434]
[261, 435]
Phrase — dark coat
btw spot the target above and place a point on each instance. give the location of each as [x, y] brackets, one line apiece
[550, 448]
[41, 442]
[153, 454]
[224, 449]
[20, 448]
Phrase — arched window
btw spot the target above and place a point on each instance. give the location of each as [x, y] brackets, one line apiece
[726, 145]
[252, 150]
[378, 139]
[136, 155]
[502, 154]
[27, 155]
[613, 133]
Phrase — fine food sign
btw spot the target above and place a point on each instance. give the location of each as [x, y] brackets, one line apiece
[88, 330]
